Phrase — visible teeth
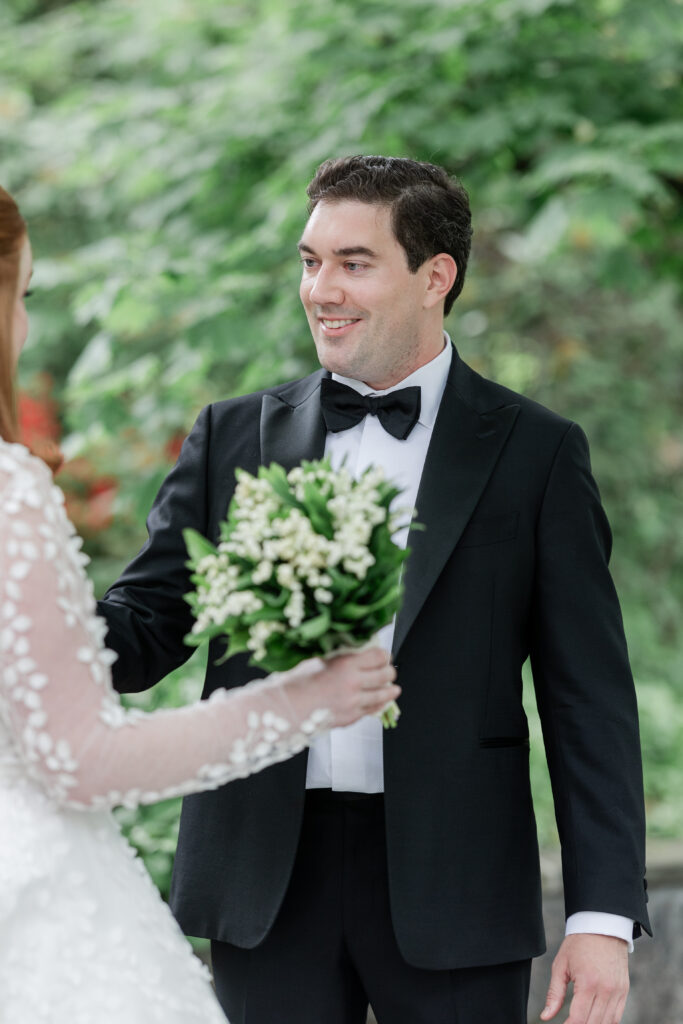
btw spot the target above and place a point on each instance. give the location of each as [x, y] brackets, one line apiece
[338, 323]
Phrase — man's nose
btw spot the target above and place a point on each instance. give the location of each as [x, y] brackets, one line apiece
[326, 289]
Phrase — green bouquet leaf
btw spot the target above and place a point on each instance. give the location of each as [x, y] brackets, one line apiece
[306, 566]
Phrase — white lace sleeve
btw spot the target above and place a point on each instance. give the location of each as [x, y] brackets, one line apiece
[56, 699]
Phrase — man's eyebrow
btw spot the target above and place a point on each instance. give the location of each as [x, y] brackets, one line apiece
[356, 250]
[351, 250]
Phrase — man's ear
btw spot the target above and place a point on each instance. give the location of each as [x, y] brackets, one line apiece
[441, 274]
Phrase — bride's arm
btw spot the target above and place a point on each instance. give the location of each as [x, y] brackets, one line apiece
[75, 737]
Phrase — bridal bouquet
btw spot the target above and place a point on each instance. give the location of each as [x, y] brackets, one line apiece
[305, 566]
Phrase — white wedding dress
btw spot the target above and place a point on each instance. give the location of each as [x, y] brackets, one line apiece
[85, 937]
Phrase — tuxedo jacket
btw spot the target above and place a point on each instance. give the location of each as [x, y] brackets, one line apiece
[512, 564]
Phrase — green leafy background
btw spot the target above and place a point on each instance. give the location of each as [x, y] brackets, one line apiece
[160, 152]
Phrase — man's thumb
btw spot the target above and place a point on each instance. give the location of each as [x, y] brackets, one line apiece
[556, 993]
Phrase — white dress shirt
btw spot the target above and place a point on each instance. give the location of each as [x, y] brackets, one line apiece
[350, 759]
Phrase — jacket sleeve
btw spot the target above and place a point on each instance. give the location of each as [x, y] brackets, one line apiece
[145, 610]
[586, 696]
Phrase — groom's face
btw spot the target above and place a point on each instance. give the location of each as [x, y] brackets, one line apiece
[366, 310]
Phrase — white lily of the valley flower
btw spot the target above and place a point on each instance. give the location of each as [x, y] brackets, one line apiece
[272, 559]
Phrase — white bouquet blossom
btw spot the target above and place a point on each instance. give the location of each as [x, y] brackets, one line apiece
[305, 566]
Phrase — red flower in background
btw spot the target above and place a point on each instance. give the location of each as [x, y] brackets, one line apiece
[39, 427]
[173, 446]
[38, 420]
[89, 497]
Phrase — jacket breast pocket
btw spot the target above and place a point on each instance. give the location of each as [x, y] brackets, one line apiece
[489, 530]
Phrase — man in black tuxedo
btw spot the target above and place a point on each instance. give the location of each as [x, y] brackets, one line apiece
[402, 869]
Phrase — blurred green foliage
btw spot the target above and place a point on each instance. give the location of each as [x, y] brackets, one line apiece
[160, 153]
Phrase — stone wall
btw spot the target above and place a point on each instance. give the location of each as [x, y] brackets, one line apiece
[656, 966]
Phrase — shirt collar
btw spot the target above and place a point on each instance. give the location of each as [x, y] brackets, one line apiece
[430, 378]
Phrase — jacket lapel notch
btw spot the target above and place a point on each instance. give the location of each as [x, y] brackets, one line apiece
[291, 431]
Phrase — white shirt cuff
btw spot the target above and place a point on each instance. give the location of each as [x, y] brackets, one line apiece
[595, 923]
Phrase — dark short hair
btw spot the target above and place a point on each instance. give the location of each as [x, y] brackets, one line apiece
[430, 211]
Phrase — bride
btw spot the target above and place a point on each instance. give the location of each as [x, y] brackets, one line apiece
[84, 936]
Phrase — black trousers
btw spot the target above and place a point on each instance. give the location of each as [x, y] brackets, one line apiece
[332, 949]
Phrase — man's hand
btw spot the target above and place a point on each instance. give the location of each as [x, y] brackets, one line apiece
[598, 966]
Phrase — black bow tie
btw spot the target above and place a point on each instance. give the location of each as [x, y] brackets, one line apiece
[343, 407]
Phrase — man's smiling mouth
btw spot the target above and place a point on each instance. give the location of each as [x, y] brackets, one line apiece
[336, 326]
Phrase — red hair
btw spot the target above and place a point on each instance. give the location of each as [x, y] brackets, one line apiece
[12, 234]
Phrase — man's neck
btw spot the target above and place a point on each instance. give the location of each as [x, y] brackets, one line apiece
[427, 357]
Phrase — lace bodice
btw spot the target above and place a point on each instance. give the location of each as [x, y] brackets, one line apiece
[60, 720]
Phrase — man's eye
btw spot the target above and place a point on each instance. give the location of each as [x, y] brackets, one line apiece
[355, 266]
[28, 294]
[308, 261]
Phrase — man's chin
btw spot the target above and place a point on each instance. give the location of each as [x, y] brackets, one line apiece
[336, 361]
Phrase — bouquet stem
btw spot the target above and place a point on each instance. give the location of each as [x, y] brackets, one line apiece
[390, 715]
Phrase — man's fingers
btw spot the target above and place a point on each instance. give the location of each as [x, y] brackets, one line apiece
[621, 1006]
[556, 992]
[607, 1008]
[553, 1002]
[585, 1008]
[601, 1005]
[598, 967]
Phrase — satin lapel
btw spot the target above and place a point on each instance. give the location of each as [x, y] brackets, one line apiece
[463, 451]
[293, 429]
